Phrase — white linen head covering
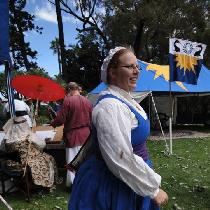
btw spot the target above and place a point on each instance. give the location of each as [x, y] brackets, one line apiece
[107, 61]
[16, 130]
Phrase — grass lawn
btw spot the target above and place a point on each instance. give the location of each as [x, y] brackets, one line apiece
[57, 200]
[185, 177]
[186, 174]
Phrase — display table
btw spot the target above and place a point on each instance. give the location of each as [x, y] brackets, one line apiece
[58, 151]
[50, 133]
[54, 144]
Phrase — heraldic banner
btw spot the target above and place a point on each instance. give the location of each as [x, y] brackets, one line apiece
[185, 60]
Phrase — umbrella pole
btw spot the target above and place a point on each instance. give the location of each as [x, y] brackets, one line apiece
[35, 116]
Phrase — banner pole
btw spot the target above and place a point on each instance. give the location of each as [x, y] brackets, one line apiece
[170, 120]
[170, 105]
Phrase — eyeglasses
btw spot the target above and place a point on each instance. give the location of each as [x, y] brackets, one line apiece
[132, 67]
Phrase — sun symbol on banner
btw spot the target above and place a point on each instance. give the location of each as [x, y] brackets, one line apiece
[186, 62]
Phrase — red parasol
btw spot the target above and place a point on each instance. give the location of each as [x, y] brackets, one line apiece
[37, 87]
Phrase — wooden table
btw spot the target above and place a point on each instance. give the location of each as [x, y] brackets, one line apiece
[59, 131]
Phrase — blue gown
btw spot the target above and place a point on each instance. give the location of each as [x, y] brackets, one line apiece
[96, 188]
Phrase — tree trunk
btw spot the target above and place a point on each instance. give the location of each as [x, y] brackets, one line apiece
[137, 43]
[61, 40]
[59, 57]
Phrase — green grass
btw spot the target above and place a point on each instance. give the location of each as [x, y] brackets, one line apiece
[57, 200]
[185, 174]
[185, 177]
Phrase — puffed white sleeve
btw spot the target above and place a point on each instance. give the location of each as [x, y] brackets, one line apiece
[113, 125]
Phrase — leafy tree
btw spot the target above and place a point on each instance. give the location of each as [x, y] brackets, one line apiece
[85, 12]
[54, 45]
[88, 13]
[147, 25]
[84, 61]
[58, 78]
[23, 56]
[144, 25]
[21, 22]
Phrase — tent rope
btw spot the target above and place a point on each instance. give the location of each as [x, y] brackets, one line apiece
[161, 128]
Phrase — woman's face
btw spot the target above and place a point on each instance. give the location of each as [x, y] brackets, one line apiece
[126, 73]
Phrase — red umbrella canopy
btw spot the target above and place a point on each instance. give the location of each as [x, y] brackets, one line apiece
[37, 87]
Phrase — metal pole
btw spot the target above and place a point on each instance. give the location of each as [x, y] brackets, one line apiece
[10, 93]
[170, 121]
[5, 203]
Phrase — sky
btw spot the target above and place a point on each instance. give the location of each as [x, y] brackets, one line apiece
[45, 17]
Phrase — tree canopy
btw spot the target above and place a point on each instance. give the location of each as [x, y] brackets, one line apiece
[20, 22]
[145, 25]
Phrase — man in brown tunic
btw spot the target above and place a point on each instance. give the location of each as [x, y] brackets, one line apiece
[75, 114]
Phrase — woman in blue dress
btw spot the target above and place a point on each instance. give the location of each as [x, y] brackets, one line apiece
[118, 176]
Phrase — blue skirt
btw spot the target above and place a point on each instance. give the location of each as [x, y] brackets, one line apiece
[96, 188]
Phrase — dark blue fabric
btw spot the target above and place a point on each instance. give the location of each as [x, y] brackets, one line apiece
[179, 74]
[96, 188]
[4, 51]
[4, 31]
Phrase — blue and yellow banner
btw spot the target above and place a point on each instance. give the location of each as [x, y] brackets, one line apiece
[185, 60]
[4, 31]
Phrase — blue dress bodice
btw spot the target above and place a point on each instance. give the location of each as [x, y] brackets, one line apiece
[96, 187]
[140, 133]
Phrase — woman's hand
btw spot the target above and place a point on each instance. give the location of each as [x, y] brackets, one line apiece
[161, 198]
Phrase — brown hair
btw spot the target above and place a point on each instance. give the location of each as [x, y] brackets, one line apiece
[115, 60]
[72, 86]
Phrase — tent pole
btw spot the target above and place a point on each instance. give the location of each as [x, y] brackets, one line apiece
[170, 121]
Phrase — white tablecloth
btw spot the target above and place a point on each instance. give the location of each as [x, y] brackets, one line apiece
[42, 135]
